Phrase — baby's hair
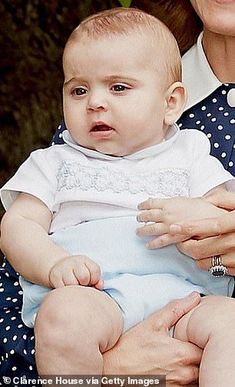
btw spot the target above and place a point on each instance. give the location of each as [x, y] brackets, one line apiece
[124, 21]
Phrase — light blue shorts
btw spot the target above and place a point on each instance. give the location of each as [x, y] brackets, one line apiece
[141, 281]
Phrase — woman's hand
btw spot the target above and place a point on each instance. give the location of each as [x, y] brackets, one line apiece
[147, 348]
[161, 213]
[208, 237]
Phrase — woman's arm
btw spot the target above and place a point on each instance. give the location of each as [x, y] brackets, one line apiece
[147, 348]
[25, 241]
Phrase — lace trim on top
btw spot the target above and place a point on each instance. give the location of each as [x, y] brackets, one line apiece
[169, 182]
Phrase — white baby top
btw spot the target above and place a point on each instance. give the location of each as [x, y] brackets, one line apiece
[79, 184]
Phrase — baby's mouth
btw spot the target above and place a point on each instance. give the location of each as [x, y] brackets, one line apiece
[101, 128]
[101, 131]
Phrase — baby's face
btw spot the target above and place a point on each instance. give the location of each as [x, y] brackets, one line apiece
[114, 99]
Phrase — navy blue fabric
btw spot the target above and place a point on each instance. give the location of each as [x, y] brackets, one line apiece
[214, 117]
[16, 340]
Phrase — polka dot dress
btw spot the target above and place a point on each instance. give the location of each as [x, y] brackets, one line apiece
[215, 116]
[16, 340]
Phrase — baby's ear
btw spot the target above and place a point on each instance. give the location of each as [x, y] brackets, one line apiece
[175, 100]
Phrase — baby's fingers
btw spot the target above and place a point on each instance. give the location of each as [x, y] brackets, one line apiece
[165, 240]
[95, 274]
[82, 273]
[152, 229]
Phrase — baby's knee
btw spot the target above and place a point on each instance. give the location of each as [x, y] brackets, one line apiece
[219, 311]
[53, 321]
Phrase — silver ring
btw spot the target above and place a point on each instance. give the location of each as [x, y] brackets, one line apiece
[217, 268]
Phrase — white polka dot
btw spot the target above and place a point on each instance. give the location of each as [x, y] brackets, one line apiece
[226, 114]
[231, 97]
[14, 300]
[209, 135]
[216, 145]
[31, 368]
[33, 351]
[214, 100]
[59, 127]
[232, 121]
[213, 119]
[13, 318]
[20, 292]
[223, 155]
[180, 125]
[14, 368]
[7, 311]
[220, 127]
[12, 351]
[16, 283]
[198, 122]
[7, 275]
[60, 135]
[227, 137]
[223, 91]
[230, 163]
[191, 115]
[221, 108]
[2, 289]
[14, 338]
[234, 146]
[25, 352]
[203, 108]
[8, 328]
[20, 326]
[5, 340]
[208, 114]
[53, 143]
[1, 320]
[202, 127]
[24, 337]
[8, 298]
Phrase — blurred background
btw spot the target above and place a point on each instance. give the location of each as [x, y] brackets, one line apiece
[32, 36]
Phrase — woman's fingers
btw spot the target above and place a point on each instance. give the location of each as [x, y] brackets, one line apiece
[228, 260]
[204, 248]
[206, 227]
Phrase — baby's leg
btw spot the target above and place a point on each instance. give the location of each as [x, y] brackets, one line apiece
[74, 326]
[211, 326]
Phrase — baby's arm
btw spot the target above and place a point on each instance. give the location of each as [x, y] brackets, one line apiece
[25, 242]
[162, 213]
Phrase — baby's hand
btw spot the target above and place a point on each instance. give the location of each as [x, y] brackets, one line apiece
[162, 213]
[75, 270]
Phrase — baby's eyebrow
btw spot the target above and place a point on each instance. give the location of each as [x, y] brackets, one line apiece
[120, 77]
[71, 80]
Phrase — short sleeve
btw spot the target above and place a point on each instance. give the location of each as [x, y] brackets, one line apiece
[206, 172]
[36, 176]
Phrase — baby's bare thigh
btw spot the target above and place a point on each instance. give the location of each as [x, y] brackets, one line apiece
[83, 311]
[214, 315]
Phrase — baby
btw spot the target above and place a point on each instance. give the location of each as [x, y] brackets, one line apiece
[71, 208]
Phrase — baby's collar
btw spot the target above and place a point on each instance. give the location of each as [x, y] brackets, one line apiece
[153, 150]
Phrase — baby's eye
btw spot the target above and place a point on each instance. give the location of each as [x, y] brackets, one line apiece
[79, 91]
[119, 87]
